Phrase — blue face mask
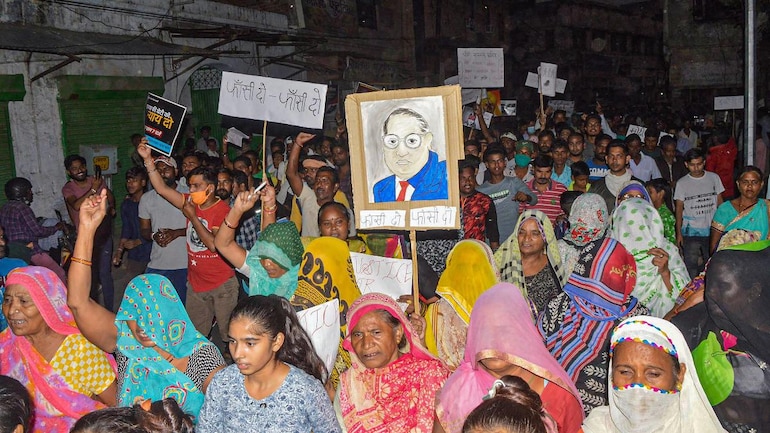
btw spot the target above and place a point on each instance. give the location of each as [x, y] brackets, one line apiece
[530, 130]
[522, 160]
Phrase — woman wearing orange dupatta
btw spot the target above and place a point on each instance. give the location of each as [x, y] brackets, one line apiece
[392, 383]
[470, 270]
[502, 340]
[44, 350]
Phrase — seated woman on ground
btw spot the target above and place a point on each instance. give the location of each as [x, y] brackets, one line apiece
[392, 383]
[653, 384]
[163, 416]
[275, 385]
[510, 407]
[44, 350]
[16, 407]
[151, 336]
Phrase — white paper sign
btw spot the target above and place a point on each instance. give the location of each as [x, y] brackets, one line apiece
[322, 324]
[562, 104]
[261, 98]
[235, 137]
[469, 95]
[472, 121]
[392, 277]
[508, 107]
[481, 67]
[728, 102]
[382, 218]
[547, 73]
[532, 81]
[636, 129]
[433, 216]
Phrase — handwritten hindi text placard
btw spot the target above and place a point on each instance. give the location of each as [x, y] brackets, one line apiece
[481, 67]
[322, 324]
[433, 216]
[392, 277]
[372, 219]
[295, 103]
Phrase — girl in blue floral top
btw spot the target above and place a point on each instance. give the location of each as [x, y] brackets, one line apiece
[275, 384]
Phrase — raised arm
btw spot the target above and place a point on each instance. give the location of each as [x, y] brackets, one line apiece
[292, 166]
[173, 196]
[95, 322]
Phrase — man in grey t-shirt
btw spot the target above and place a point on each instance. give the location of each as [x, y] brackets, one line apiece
[164, 224]
[507, 192]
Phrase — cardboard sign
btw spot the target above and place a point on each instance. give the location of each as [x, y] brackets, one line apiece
[481, 67]
[533, 81]
[162, 123]
[728, 102]
[472, 121]
[322, 324]
[294, 103]
[547, 74]
[392, 277]
[433, 216]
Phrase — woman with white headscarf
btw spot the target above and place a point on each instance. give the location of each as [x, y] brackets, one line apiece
[654, 387]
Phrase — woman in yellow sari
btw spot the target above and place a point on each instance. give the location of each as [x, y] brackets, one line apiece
[326, 273]
[470, 271]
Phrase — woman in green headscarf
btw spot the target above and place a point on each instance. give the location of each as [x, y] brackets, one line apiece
[272, 264]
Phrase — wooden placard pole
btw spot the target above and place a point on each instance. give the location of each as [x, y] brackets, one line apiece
[415, 280]
[264, 171]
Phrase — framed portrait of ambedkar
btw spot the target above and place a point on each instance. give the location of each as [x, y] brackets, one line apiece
[404, 147]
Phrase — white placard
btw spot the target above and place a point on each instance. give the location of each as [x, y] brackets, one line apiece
[469, 95]
[481, 67]
[547, 73]
[295, 103]
[392, 277]
[728, 102]
[561, 85]
[636, 129]
[322, 324]
[532, 81]
[472, 121]
[433, 216]
[235, 137]
[562, 104]
[382, 218]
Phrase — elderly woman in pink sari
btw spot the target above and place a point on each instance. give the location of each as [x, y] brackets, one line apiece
[392, 382]
[502, 340]
[65, 374]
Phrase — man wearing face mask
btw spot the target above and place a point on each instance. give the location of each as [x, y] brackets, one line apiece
[212, 289]
[22, 227]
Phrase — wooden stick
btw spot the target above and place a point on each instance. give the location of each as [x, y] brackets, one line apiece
[415, 281]
[264, 170]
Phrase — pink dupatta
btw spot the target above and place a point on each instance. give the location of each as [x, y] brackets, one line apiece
[398, 397]
[501, 328]
[57, 406]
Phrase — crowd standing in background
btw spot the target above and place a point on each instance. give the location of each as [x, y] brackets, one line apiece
[599, 282]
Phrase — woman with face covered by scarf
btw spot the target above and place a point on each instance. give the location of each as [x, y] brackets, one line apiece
[654, 387]
[588, 224]
[577, 323]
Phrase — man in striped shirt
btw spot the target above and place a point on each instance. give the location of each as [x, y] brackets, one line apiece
[547, 190]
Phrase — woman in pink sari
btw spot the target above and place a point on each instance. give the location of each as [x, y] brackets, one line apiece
[502, 340]
[392, 382]
[65, 374]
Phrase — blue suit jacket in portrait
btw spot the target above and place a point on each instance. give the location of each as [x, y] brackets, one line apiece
[430, 183]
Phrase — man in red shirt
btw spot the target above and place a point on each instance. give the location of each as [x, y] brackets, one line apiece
[212, 289]
[547, 190]
[479, 216]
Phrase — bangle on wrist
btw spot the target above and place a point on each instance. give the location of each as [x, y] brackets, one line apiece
[228, 224]
[83, 262]
[271, 208]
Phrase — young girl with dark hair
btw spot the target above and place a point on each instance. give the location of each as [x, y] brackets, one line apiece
[511, 407]
[162, 416]
[275, 384]
[16, 407]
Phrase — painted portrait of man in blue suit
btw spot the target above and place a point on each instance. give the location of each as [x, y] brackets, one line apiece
[417, 172]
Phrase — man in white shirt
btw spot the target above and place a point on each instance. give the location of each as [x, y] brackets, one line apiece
[642, 166]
